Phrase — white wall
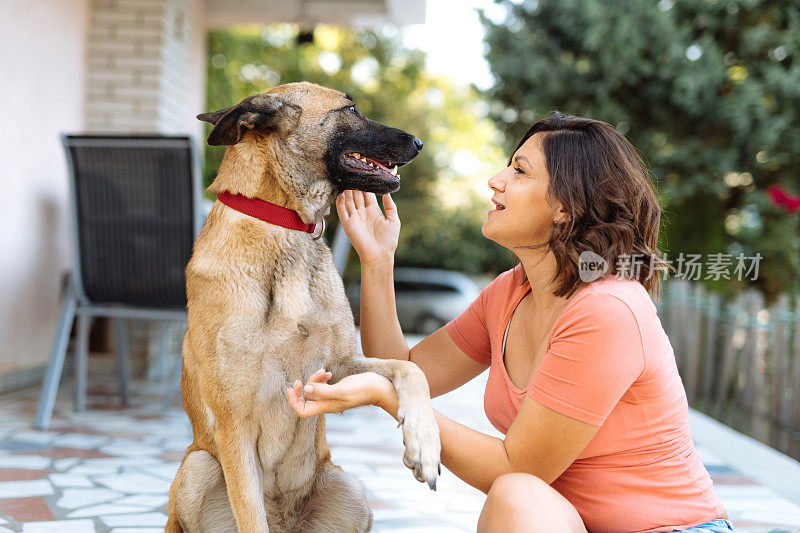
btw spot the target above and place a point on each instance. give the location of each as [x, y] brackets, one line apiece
[197, 73]
[139, 58]
[42, 44]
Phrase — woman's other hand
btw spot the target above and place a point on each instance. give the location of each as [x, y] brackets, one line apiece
[374, 236]
[318, 397]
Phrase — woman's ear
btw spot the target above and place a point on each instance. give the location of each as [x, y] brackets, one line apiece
[561, 216]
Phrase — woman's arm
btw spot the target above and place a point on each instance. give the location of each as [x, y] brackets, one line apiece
[445, 366]
[374, 238]
[381, 335]
[541, 441]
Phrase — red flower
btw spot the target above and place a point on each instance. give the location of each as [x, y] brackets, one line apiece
[777, 194]
[783, 199]
[792, 204]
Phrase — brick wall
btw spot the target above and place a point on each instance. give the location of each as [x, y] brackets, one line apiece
[138, 65]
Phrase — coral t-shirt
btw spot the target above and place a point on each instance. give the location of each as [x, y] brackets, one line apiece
[610, 364]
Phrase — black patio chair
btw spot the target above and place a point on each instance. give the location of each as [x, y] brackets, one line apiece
[135, 214]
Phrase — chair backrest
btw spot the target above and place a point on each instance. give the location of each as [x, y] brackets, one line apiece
[134, 216]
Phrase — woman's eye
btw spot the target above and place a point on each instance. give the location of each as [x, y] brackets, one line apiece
[518, 170]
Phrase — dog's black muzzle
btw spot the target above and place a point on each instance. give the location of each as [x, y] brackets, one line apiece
[366, 158]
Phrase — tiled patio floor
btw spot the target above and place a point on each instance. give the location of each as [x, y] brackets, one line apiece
[110, 469]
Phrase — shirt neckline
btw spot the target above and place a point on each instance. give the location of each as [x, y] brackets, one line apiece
[513, 308]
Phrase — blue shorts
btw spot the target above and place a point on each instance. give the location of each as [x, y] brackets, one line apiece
[720, 525]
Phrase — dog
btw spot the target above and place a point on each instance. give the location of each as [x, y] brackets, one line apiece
[266, 307]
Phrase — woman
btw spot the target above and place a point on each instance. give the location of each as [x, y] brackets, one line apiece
[582, 378]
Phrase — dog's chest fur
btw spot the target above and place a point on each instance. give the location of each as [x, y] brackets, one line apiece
[286, 316]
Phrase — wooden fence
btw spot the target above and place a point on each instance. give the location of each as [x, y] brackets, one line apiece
[739, 360]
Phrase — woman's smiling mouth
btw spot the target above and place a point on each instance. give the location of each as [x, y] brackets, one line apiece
[497, 206]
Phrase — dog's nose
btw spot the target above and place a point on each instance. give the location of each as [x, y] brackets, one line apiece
[418, 143]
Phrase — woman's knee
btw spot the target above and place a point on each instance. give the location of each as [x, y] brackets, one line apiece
[510, 499]
[517, 488]
[524, 500]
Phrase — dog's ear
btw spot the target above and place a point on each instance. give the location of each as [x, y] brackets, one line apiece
[264, 113]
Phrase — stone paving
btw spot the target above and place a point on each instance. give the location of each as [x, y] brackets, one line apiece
[109, 469]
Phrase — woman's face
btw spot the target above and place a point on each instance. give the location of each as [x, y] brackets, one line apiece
[523, 214]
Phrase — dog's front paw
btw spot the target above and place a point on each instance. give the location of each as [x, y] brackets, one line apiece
[421, 439]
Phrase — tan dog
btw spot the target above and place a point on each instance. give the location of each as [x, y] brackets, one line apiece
[267, 307]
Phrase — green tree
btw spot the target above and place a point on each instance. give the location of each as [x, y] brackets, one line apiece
[389, 84]
[709, 92]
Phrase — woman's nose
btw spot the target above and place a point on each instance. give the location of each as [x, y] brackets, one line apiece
[497, 182]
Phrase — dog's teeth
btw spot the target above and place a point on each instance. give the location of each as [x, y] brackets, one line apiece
[394, 171]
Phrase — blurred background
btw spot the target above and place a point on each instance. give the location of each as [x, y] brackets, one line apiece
[707, 90]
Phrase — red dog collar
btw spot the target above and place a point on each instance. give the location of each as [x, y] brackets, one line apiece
[268, 212]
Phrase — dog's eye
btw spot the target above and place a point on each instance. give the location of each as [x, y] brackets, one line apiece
[353, 109]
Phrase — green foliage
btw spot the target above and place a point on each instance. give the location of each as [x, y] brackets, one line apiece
[451, 238]
[440, 222]
[378, 73]
[709, 92]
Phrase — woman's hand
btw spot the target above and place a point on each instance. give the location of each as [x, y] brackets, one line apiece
[374, 236]
[318, 397]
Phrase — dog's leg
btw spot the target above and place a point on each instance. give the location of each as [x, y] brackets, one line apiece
[173, 525]
[237, 454]
[415, 413]
[198, 502]
[337, 503]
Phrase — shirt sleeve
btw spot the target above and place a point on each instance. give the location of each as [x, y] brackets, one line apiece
[469, 330]
[595, 355]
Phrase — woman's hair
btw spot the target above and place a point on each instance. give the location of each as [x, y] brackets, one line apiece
[604, 185]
